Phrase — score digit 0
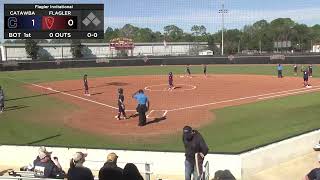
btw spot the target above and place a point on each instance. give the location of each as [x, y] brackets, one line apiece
[70, 22]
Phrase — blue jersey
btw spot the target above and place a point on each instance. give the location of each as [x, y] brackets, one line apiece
[141, 98]
[280, 68]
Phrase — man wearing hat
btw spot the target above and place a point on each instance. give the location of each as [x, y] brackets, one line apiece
[77, 171]
[195, 151]
[44, 167]
[143, 106]
[110, 170]
[314, 174]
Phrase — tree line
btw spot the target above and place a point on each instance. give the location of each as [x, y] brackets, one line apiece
[259, 36]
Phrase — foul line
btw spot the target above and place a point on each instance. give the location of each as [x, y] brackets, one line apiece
[285, 94]
[259, 97]
[67, 94]
[242, 98]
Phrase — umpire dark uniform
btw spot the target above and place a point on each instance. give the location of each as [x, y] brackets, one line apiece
[143, 106]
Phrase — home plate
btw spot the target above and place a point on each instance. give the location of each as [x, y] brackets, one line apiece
[308, 86]
[49, 88]
[181, 76]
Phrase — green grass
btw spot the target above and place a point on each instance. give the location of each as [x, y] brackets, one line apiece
[235, 128]
[248, 126]
[63, 74]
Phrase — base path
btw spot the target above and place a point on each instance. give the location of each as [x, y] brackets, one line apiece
[188, 104]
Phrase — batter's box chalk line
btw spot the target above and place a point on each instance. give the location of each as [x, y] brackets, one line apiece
[164, 113]
[165, 87]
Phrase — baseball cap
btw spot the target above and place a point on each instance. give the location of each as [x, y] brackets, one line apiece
[112, 157]
[187, 129]
[78, 156]
[43, 152]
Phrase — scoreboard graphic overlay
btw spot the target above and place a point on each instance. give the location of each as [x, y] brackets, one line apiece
[53, 21]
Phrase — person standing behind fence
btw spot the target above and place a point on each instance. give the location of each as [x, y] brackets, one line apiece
[195, 151]
[1, 100]
[77, 171]
[280, 68]
[142, 107]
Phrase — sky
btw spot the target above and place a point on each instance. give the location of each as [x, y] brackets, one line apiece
[156, 14]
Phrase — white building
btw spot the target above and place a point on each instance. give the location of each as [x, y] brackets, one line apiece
[316, 48]
[60, 51]
[206, 53]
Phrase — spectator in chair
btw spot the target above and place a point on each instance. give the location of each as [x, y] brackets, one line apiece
[314, 174]
[131, 172]
[195, 151]
[77, 171]
[110, 170]
[44, 167]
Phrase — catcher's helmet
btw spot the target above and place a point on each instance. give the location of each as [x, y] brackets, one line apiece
[120, 90]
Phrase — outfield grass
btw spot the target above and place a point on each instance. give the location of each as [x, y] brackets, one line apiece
[235, 128]
[63, 74]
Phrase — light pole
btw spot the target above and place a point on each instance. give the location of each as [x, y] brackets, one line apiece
[222, 11]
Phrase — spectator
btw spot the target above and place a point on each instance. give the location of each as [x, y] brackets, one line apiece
[110, 170]
[223, 175]
[314, 174]
[195, 151]
[77, 171]
[131, 172]
[1, 100]
[44, 167]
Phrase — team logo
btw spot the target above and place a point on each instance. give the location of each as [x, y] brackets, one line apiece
[49, 22]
